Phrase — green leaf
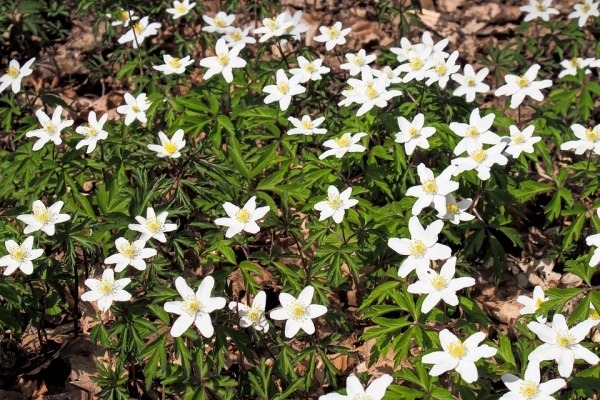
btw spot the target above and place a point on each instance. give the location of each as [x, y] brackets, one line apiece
[234, 151]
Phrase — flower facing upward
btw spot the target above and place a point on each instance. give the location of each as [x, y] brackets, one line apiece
[520, 141]
[43, 218]
[358, 62]
[135, 108]
[130, 253]
[470, 83]
[180, 8]
[50, 130]
[589, 139]
[224, 62]
[570, 66]
[20, 256]
[298, 313]
[275, 26]
[14, 74]
[173, 65]
[418, 63]
[406, 47]
[531, 305]
[538, 9]
[441, 70]
[421, 248]
[481, 160]
[442, 286]
[252, 315]
[432, 190]
[562, 344]
[92, 131]
[140, 31]
[306, 126]
[153, 227]
[583, 11]
[332, 35]
[475, 134]
[370, 92]
[344, 144]
[106, 290]
[455, 212]
[413, 134]
[530, 388]
[354, 390]
[523, 85]
[458, 355]
[387, 75]
[221, 23]
[296, 28]
[309, 70]
[236, 36]
[283, 90]
[242, 219]
[594, 317]
[336, 204]
[122, 17]
[195, 307]
[169, 148]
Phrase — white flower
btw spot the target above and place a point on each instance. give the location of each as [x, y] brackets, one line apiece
[236, 37]
[470, 83]
[440, 286]
[589, 139]
[520, 141]
[309, 70]
[275, 26]
[571, 65]
[224, 62]
[437, 49]
[169, 148]
[336, 204]
[298, 312]
[593, 319]
[458, 355]
[419, 62]
[594, 240]
[122, 17]
[92, 131]
[344, 144]
[354, 390]
[475, 134]
[538, 9]
[296, 28]
[283, 90]
[432, 190]
[307, 126]
[195, 307]
[413, 134]
[530, 388]
[50, 130]
[332, 35]
[531, 305]
[421, 248]
[441, 70]
[242, 219]
[173, 65]
[455, 212]
[350, 94]
[585, 10]
[20, 256]
[135, 108]
[253, 315]
[130, 253]
[219, 24]
[523, 85]
[387, 75]
[106, 290]
[481, 161]
[562, 344]
[406, 47]
[14, 75]
[43, 218]
[140, 31]
[370, 93]
[153, 227]
[180, 8]
[358, 62]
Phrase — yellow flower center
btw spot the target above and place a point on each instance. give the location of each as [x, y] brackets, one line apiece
[106, 286]
[170, 147]
[359, 61]
[594, 315]
[122, 15]
[471, 81]
[518, 138]
[306, 123]
[297, 310]
[42, 215]
[471, 132]
[538, 302]
[479, 155]
[236, 36]
[413, 132]
[429, 186]
[540, 7]
[335, 202]
[283, 87]
[333, 32]
[128, 250]
[416, 63]
[254, 314]
[49, 128]
[371, 92]
[565, 339]
[440, 69]
[574, 62]
[309, 67]
[242, 215]
[181, 9]
[585, 7]
[457, 349]
[154, 225]
[387, 71]
[452, 208]
[18, 253]
[135, 108]
[191, 305]
[417, 248]
[222, 58]
[362, 396]
[174, 63]
[438, 282]
[219, 22]
[522, 81]
[272, 24]
[528, 389]
[12, 72]
[138, 28]
[593, 135]
[344, 141]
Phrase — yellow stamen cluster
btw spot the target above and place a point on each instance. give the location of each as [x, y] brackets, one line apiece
[138, 28]
[335, 202]
[585, 7]
[371, 92]
[129, 250]
[528, 389]
[18, 253]
[457, 349]
[333, 32]
[106, 286]
[565, 339]
[522, 81]
[574, 62]
[122, 15]
[593, 135]
[309, 67]
[42, 215]
[344, 141]
[191, 305]
[594, 315]
[518, 138]
[297, 310]
[181, 9]
[222, 58]
[413, 132]
[417, 248]
[283, 87]
[154, 225]
[429, 186]
[236, 35]
[471, 132]
[540, 6]
[470, 81]
[12, 72]
[438, 282]
[242, 215]
[452, 208]
[440, 69]
[174, 62]
[306, 123]
[219, 22]
[135, 108]
[416, 63]
[272, 24]
[479, 155]
[254, 314]
[538, 302]
[359, 61]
